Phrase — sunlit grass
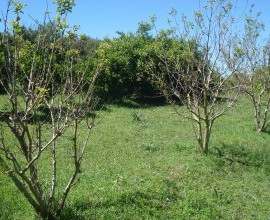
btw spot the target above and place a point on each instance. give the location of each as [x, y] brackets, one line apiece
[143, 163]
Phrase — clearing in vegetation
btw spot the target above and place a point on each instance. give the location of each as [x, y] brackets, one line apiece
[145, 166]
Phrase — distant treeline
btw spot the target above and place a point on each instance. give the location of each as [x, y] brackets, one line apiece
[125, 60]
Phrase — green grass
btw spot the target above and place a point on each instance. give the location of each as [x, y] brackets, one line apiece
[142, 163]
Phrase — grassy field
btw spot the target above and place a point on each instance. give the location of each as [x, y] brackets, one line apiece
[142, 163]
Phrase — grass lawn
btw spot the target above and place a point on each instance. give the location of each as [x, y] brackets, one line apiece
[142, 163]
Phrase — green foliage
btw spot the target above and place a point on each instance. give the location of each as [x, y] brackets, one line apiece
[261, 80]
[124, 73]
[64, 6]
[79, 49]
[126, 59]
[129, 58]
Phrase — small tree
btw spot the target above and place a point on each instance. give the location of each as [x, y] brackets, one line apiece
[254, 73]
[50, 92]
[196, 72]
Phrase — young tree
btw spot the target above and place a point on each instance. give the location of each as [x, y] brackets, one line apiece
[254, 73]
[50, 92]
[196, 72]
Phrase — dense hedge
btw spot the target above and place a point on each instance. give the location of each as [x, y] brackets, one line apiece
[129, 62]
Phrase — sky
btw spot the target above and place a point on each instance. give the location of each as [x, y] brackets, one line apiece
[103, 18]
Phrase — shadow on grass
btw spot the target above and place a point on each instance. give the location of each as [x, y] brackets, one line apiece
[145, 205]
[132, 203]
[42, 115]
[139, 199]
[243, 154]
[70, 213]
[140, 103]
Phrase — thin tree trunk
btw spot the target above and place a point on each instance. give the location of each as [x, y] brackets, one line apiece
[257, 117]
[207, 136]
[199, 136]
